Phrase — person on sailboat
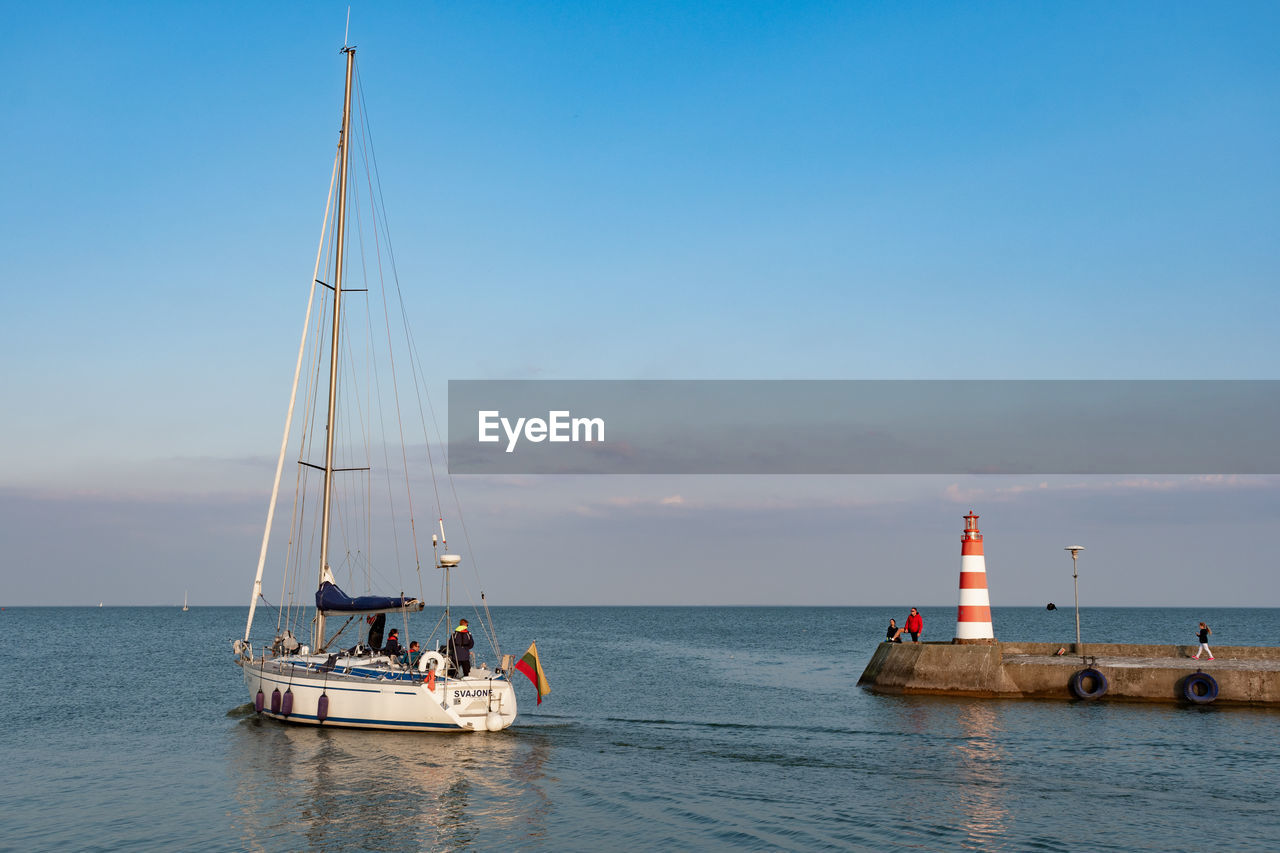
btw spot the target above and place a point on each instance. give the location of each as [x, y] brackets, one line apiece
[410, 658]
[376, 626]
[393, 643]
[460, 647]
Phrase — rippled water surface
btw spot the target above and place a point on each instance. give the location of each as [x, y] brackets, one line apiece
[668, 728]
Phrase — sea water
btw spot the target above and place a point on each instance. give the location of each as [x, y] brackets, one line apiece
[667, 728]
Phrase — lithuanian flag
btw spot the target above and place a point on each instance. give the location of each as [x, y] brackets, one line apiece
[532, 667]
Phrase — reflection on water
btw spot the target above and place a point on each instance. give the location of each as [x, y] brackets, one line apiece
[980, 772]
[344, 789]
[948, 771]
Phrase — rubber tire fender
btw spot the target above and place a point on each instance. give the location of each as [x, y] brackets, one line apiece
[1201, 679]
[1099, 683]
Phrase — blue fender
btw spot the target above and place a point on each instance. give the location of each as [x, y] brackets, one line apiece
[1081, 680]
[1200, 688]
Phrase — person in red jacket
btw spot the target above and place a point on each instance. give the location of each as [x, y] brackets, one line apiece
[914, 625]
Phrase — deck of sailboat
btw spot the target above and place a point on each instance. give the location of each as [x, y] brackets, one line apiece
[380, 667]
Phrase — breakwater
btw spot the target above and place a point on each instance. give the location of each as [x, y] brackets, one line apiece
[1246, 675]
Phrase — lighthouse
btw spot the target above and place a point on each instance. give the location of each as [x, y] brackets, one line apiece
[973, 617]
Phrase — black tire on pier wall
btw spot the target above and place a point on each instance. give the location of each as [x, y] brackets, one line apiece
[1200, 688]
[1081, 680]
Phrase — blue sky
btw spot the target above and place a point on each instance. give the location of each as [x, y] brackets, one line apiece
[658, 190]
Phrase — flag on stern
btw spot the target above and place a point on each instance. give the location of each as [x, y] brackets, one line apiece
[532, 667]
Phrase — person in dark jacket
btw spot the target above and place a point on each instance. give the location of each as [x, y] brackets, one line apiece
[460, 647]
[893, 634]
[1203, 636]
[393, 643]
[376, 625]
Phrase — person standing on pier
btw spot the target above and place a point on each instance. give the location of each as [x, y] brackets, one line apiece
[914, 625]
[1204, 642]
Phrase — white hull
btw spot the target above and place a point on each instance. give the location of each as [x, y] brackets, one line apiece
[368, 694]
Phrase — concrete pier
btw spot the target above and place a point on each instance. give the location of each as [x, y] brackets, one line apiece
[1246, 675]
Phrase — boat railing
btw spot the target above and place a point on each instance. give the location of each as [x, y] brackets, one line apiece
[373, 666]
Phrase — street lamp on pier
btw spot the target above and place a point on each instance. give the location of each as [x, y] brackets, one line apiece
[1075, 579]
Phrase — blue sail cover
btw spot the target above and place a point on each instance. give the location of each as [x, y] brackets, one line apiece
[330, 599]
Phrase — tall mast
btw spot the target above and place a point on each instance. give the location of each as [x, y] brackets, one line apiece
[344, 152]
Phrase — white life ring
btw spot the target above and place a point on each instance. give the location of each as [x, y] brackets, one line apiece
[433, 661]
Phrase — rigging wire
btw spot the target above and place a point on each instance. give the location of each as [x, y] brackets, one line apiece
[356, 508]
[284, 441]
[307, 441]
[361, 139]
[376, 194]
[364, 142]
[294, 565]
[418, 373]
[374, 392]
[308, 406]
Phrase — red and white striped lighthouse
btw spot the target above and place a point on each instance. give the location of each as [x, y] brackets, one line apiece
[973, 618]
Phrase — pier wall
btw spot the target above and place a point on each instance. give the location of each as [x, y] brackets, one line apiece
[1245, 674]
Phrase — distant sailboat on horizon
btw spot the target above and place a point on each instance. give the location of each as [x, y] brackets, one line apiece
[184, 602]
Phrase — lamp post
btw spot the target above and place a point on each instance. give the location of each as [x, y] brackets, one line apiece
[1075, 580]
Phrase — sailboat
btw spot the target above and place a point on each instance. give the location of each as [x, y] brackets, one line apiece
[184, 601]
[343, 677]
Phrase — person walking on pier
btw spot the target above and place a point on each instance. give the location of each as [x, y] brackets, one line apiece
[1204, 642]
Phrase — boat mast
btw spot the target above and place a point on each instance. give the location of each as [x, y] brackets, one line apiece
[344, 153]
